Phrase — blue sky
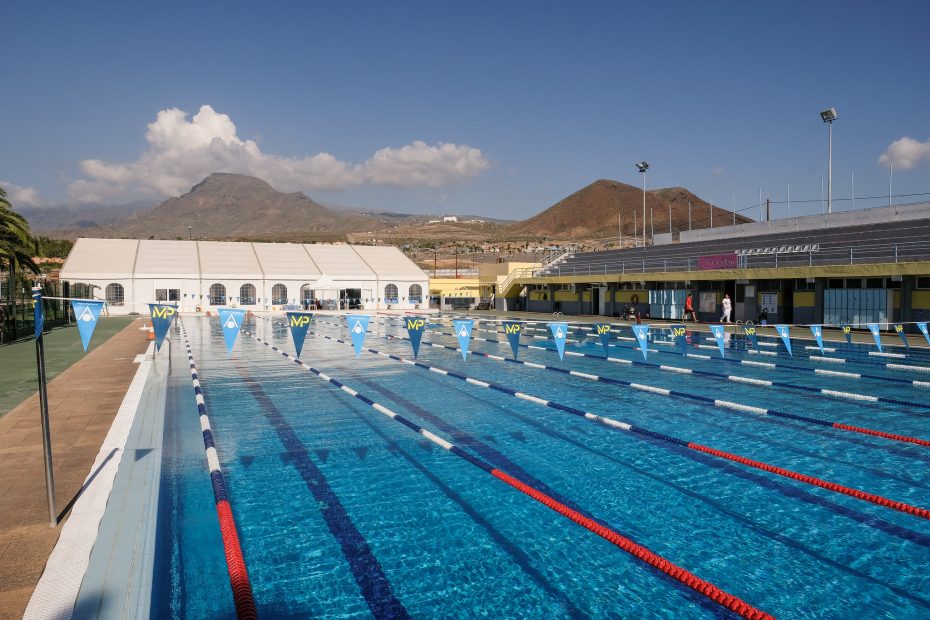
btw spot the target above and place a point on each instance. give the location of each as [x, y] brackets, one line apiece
[353, 102]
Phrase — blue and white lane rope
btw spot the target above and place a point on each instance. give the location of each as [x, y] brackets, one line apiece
[706, 400]
[839, 394]
[635, 549]
[235, 562]
[866, 496]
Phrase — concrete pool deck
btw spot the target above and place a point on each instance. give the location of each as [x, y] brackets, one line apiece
[83, 401]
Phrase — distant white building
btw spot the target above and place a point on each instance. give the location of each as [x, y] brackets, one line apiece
[450, 218]
[199, 275]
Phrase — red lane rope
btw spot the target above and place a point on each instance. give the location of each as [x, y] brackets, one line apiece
[722, 598]
[238, 574]
[831, 486]
[869, 431]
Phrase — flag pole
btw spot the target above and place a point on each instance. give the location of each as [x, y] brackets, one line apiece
[43, 405]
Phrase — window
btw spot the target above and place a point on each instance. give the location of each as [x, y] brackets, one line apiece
[801, 284]
[923, 281]
[835, 283]
[161, 294]
[874, 283]
[278, 294]
[247, 295]
[115, 294]
[306, 294]
[415, 293]
[217, 295]
[853, 282]
[390, 294]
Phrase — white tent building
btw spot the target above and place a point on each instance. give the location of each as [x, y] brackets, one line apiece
[200, 275]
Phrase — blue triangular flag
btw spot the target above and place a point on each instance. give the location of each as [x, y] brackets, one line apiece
[161, 315]
[603, 332]
[750, 332]
[718, 331]
[415, 328]
[847, 331]
[86, 314]
[462, 329]
[817, 330]
[559, 334]
[231, 322]
[299, 322]
[899, 330]
[358, 325]
[923, 330]
[785, 332]
[513, 330]
[876, 334]
[38, 313]
[642, 332]
[679, 337]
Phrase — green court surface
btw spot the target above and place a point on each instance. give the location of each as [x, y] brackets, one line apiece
[18, 374]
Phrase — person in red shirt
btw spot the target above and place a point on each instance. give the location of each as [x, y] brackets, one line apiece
[689, 308]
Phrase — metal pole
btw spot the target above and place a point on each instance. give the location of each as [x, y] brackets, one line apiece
[43, 413]
[830, 170]
[644, 208]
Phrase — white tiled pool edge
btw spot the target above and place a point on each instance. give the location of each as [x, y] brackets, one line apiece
[57, 590]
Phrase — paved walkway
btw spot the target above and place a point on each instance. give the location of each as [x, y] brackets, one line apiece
[83, 401]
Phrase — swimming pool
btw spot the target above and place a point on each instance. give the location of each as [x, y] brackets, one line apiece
[344, 513]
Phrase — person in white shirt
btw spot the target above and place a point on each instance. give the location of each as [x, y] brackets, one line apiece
[727, 307]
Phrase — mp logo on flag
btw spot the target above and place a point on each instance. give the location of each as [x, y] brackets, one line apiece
[719, 332]
[603, 332]
[299, 323]
[899, 330]
[415, 328]
[817, 330]
[679, 337]
[358, 326]
[750, 332]
[559, 335]
[86, 313]
[513, 330]
[642, 334]
[847, 331]
[161, 315]
[876, 334]
[231, 322]
[785, 332]
[462, 329]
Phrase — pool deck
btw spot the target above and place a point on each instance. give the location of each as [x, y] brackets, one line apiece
[83, 401]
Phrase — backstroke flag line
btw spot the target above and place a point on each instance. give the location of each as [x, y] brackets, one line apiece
[161, 315]
[559, 334]
[86, 313]
[513, 329]
[923, 330]
[750, 332]
[899, 330]
[299, 322]
[718, 331]
[785, 332]
[358, 325]
[231, 322]
[38, 313]
[462, 331]
[817, 330]
[642, 333]
[876, 334]
[415, 327]
[603, 332]
[678, 336]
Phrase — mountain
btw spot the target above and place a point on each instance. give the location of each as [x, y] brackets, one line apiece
[234, 206]
[592, 212]
[80, 216]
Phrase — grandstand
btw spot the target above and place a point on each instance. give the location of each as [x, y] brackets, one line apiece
[871, 266]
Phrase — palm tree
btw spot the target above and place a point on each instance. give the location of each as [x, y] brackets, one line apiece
[16, 246]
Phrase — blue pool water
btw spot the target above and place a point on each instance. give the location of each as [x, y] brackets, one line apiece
[344, 513]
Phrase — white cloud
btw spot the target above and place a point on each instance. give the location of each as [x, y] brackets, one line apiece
[21, 196]
[904, 153]
[718, 171]
[182, 152]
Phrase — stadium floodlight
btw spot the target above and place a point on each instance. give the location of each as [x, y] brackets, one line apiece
[643, 166]
[828, 116]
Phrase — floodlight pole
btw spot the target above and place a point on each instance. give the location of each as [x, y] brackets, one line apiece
[828, 116]
[643, 166]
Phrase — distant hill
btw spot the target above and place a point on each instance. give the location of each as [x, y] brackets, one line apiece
[83, 216]
[592, 212]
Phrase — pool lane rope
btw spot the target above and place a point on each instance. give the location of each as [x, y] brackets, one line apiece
[640, 552]
[824, 392]
[235, 563]
[865, 496]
